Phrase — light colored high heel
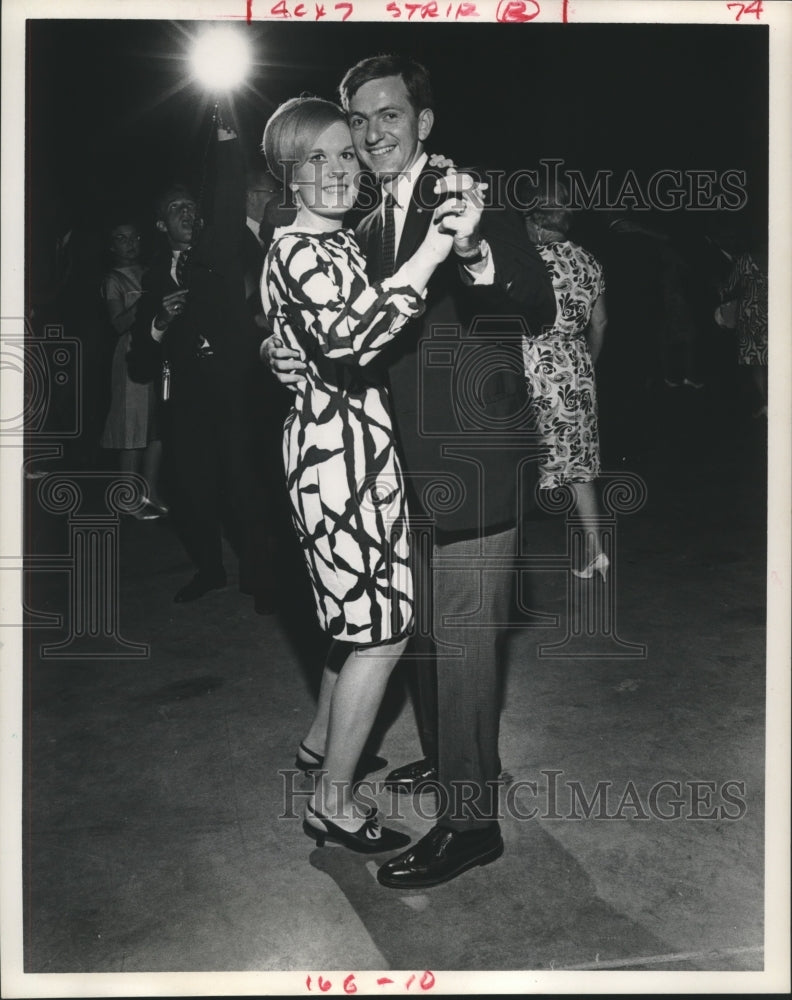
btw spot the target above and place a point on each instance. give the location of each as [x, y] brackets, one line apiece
[600, 564]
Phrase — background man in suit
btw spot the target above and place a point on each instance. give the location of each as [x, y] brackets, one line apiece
[261, 189]
[193, 326]
[494, 273]
[271, 520]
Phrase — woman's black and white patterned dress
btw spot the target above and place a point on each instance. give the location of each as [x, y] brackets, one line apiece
[343, 474]
[560, 373]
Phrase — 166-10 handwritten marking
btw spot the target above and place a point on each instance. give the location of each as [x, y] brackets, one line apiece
[423, 982]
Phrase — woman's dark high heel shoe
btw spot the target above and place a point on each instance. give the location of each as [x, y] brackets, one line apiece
[369, 838]
[315, 764]
[368, 762]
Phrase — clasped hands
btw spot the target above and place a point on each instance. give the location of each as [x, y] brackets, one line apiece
[460, 214]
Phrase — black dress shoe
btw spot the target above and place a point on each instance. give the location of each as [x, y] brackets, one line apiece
[369, 838]
[367, 764]
[198, 586]
[410, 777]
[440, 856]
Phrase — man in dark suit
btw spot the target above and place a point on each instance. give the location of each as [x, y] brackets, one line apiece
[271, 518]
[194, 334]
[260, 190]
[458, 396]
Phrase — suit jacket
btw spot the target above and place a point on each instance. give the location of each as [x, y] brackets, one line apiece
[253, 254]
[456, 375]
[215, 308]
[276, 213]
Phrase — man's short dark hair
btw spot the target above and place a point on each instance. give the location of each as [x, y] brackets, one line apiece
[172, 193]
[415, 76]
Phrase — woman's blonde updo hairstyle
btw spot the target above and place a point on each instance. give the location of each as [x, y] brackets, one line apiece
[290, 133]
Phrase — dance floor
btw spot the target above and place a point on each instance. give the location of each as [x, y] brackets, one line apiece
[161, 809]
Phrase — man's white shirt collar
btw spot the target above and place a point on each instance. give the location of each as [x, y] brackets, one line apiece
[253, 226]
[402, 184]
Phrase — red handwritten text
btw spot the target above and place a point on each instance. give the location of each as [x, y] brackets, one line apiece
[425, 981]
[755, 7]
[517, 11]
[432, 9]
[300, 11]
[508, 11]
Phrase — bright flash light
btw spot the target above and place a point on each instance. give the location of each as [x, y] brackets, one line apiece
[220, 59]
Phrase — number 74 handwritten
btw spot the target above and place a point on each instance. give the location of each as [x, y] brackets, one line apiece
[755, 7]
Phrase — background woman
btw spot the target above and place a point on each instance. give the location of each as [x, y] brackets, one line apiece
[343, 473]
[747, 286]
[130, 427]
[559, 366]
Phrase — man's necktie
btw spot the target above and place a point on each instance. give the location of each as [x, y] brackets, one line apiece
[388, 237]
[182, 262]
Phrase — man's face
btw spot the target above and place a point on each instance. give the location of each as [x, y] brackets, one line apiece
[179, 221]
[387, 132]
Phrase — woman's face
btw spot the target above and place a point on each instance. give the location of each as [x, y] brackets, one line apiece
[326, 180]
[125, 244]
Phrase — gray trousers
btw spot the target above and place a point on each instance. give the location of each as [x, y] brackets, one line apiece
[468, 606]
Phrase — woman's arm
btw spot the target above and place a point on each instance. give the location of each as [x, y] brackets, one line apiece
[597, 327]
[349, 319]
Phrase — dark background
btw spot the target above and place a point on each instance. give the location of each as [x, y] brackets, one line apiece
[112, 114]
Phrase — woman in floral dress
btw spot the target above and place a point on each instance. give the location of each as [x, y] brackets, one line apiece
[747, 285]
[343, 473]
[559, 367]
